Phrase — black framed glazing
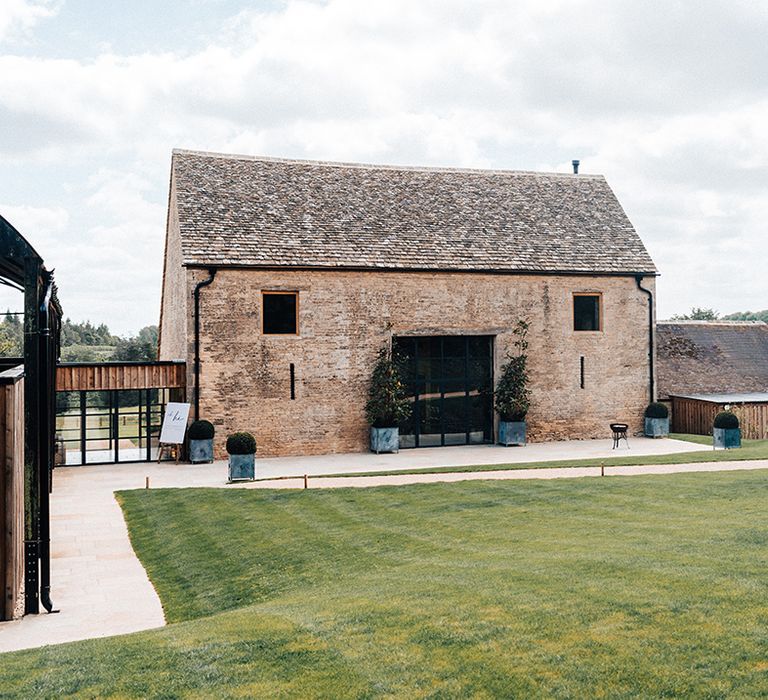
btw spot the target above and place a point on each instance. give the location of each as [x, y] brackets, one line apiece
[449, 380]
[96, 426]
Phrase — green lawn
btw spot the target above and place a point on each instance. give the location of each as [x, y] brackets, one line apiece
[750, 449]
[651, 586]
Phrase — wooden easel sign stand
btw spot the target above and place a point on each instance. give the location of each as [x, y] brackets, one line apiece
[173, 430]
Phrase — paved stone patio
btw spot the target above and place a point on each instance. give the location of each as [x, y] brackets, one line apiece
[467, 455]
[102, 589]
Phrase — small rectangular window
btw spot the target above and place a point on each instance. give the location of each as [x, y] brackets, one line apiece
[586, 312]
[280, 313]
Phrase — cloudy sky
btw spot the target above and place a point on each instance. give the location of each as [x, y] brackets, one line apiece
[668, 99]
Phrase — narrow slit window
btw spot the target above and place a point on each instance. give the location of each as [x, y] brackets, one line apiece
[581, 371]
[586, 312]
[280, 313]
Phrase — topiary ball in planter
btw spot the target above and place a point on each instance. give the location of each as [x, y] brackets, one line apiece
[201, 441]
[656, 420]
[726, 432]
[656, 410]
[201, 430]
[242, 461]
[726, 420]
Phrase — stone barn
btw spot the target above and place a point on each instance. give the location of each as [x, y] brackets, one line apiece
[283, 278]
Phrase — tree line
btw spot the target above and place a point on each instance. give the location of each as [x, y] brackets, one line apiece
[697, 314]
[84, 342]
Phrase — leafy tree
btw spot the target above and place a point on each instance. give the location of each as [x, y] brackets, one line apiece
[697, 314]
[748, 316]
[139, 348]
[387, 401]
[86, 353]
[83, 341]
[11, 336]
[8, 344]
[85, 333]
[513, 398]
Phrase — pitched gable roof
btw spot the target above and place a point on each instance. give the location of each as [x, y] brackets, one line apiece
[708, 357]
[239, 210]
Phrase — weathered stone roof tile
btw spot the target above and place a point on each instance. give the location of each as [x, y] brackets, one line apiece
[706, 357]
[238, 210]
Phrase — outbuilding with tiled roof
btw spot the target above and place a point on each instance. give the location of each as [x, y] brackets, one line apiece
[707, 366]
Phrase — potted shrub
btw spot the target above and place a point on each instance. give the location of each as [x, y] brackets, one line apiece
[387, 404]
[241, 448]
[726, 432]
[512, 397]
[201, 441]
[656, 420]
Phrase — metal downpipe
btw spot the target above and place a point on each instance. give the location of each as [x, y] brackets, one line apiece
[45, 392]
[651, 392]
[196, 293]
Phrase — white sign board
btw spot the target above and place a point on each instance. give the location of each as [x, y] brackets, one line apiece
[174, 423]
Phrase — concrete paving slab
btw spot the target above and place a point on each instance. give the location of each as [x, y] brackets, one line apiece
[468, 455]
[98, 583]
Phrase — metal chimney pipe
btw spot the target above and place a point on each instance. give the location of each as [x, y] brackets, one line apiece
[575, 164]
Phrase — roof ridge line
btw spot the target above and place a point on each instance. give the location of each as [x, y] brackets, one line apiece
[382, 166]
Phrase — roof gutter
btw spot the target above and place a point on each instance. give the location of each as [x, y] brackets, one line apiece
[452, 270]
[652, 394]
[196, 295]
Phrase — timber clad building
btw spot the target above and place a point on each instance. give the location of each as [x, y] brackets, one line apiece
[706, 366]
[284, 278]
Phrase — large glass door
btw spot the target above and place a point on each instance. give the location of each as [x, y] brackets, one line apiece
[450, 382]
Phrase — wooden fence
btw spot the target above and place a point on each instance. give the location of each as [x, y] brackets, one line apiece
[696, 416]
[12, 492]
[114, 375]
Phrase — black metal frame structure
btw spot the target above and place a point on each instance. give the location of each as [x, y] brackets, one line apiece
[22, 268]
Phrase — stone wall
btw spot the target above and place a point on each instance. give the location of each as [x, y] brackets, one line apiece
[174, 308]
[345, 317]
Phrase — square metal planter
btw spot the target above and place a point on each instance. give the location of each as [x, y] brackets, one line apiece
[656, 427]
[385, 440]
[200, 451]
[726, 438]
[512, 433]
[242, 467]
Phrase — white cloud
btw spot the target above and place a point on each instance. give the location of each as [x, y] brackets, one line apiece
[17, 17]
[667, 100]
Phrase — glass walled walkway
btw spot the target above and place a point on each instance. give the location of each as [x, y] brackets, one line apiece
[97, 427]
[113, 412]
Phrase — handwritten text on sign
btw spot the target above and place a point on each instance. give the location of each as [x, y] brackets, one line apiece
[174, 423]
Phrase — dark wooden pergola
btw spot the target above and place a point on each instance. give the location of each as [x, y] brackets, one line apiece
[22, 268]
